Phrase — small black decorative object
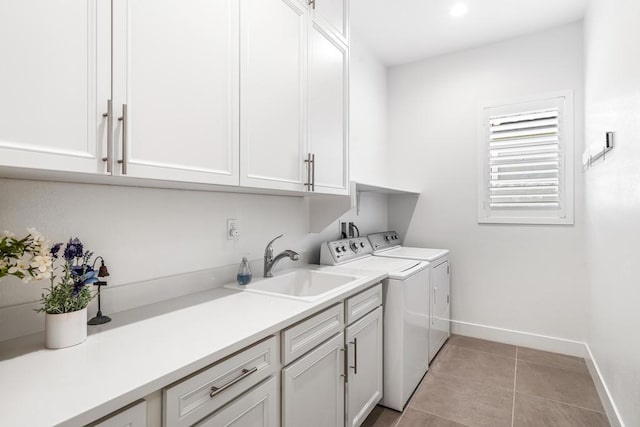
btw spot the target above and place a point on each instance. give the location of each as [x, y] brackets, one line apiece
[102, 272]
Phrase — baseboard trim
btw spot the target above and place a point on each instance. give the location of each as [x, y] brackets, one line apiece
[523, 339]
[546, 343]
[603, 391]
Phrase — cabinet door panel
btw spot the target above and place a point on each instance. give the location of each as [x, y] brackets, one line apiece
[364, 386]
[334, 16]
[313, 387]
[177, 71]
[273, 81]
[328, 118]
[54, 83]
[440, 313]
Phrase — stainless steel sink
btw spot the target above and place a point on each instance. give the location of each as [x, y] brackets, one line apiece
[303, 285]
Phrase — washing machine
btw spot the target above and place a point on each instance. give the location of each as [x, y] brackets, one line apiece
[405, 305]
[389, 245]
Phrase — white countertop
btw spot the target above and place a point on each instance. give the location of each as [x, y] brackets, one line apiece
[141, 351]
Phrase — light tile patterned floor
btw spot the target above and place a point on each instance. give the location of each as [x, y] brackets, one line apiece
[474, 382]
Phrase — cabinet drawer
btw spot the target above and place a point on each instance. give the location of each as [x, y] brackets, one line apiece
[201, 394]
[132, 416]
[257, 407]
[363, 303]
[300, 338]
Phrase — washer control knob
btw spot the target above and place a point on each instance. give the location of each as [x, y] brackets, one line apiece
[344, 249]
[386, 238]
[354, 246]
[338, 250]
[362, 244]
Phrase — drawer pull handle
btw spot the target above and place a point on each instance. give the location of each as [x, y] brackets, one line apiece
[245, 373]
[355, 356]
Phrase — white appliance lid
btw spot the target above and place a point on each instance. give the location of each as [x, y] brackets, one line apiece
[423, 254]
[398, 269]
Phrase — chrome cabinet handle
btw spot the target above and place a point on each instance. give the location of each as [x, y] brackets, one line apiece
[313, 171]
[308, 184]
[344, 365]
[245, 373]
[355, 356]
[109, 116]
[124, 121]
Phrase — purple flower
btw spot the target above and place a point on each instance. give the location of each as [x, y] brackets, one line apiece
[83, 275]
[55, 249]
[74, 249]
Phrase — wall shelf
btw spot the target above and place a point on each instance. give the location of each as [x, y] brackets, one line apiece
[324, 209]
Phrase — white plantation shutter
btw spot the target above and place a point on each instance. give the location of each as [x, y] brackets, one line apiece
[524, 178]
[524, 160]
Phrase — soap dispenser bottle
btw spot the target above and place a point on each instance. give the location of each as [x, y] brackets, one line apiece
[244, 272]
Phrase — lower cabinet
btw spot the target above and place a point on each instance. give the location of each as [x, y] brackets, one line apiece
[313, 387]
[332, 377]
[364, 380]
[259, 407]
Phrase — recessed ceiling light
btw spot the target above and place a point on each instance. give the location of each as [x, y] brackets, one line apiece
[458, 9]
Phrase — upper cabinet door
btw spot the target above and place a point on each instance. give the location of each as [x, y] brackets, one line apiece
[176, 89]
[333, 16]
[328, 111]
[273, 81]
[54, 83]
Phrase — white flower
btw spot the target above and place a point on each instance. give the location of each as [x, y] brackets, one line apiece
[41, 262]
[8, 234]
[35, 234]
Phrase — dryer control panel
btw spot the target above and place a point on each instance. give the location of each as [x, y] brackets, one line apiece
[341, 251]
[384, 240]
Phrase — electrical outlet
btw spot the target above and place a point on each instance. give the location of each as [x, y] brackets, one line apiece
[233, 230]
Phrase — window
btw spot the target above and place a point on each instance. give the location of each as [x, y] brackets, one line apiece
[526, 162]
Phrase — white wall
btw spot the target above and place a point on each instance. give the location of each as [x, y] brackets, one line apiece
[524, 278]
[612, 188]
[148, 233]
[368, 130]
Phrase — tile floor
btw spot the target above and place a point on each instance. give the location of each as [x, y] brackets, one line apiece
[474, 382]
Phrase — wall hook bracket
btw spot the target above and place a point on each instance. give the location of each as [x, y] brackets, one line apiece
[608, 146]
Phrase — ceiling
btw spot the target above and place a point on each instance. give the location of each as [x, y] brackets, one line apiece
[401, 31]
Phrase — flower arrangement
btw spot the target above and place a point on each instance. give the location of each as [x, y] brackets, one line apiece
[28, 258]
[72, 292]
[34, 258]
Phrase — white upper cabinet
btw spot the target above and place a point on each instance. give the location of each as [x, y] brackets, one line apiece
[328, 111]
[54, 83]
[176, 70]
[333, 15]
[273, 82]
[229, 92]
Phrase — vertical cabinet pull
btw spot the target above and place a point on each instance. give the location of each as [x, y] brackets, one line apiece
[344, 365]
[355, 356]
[124, 120]
[312, 3]
[435, 295]
[109, 116]
[313, 172]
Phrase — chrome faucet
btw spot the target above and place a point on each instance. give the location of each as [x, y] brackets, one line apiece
[270, 261]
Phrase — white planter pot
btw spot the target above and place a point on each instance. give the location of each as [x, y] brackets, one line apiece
[66, 330]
